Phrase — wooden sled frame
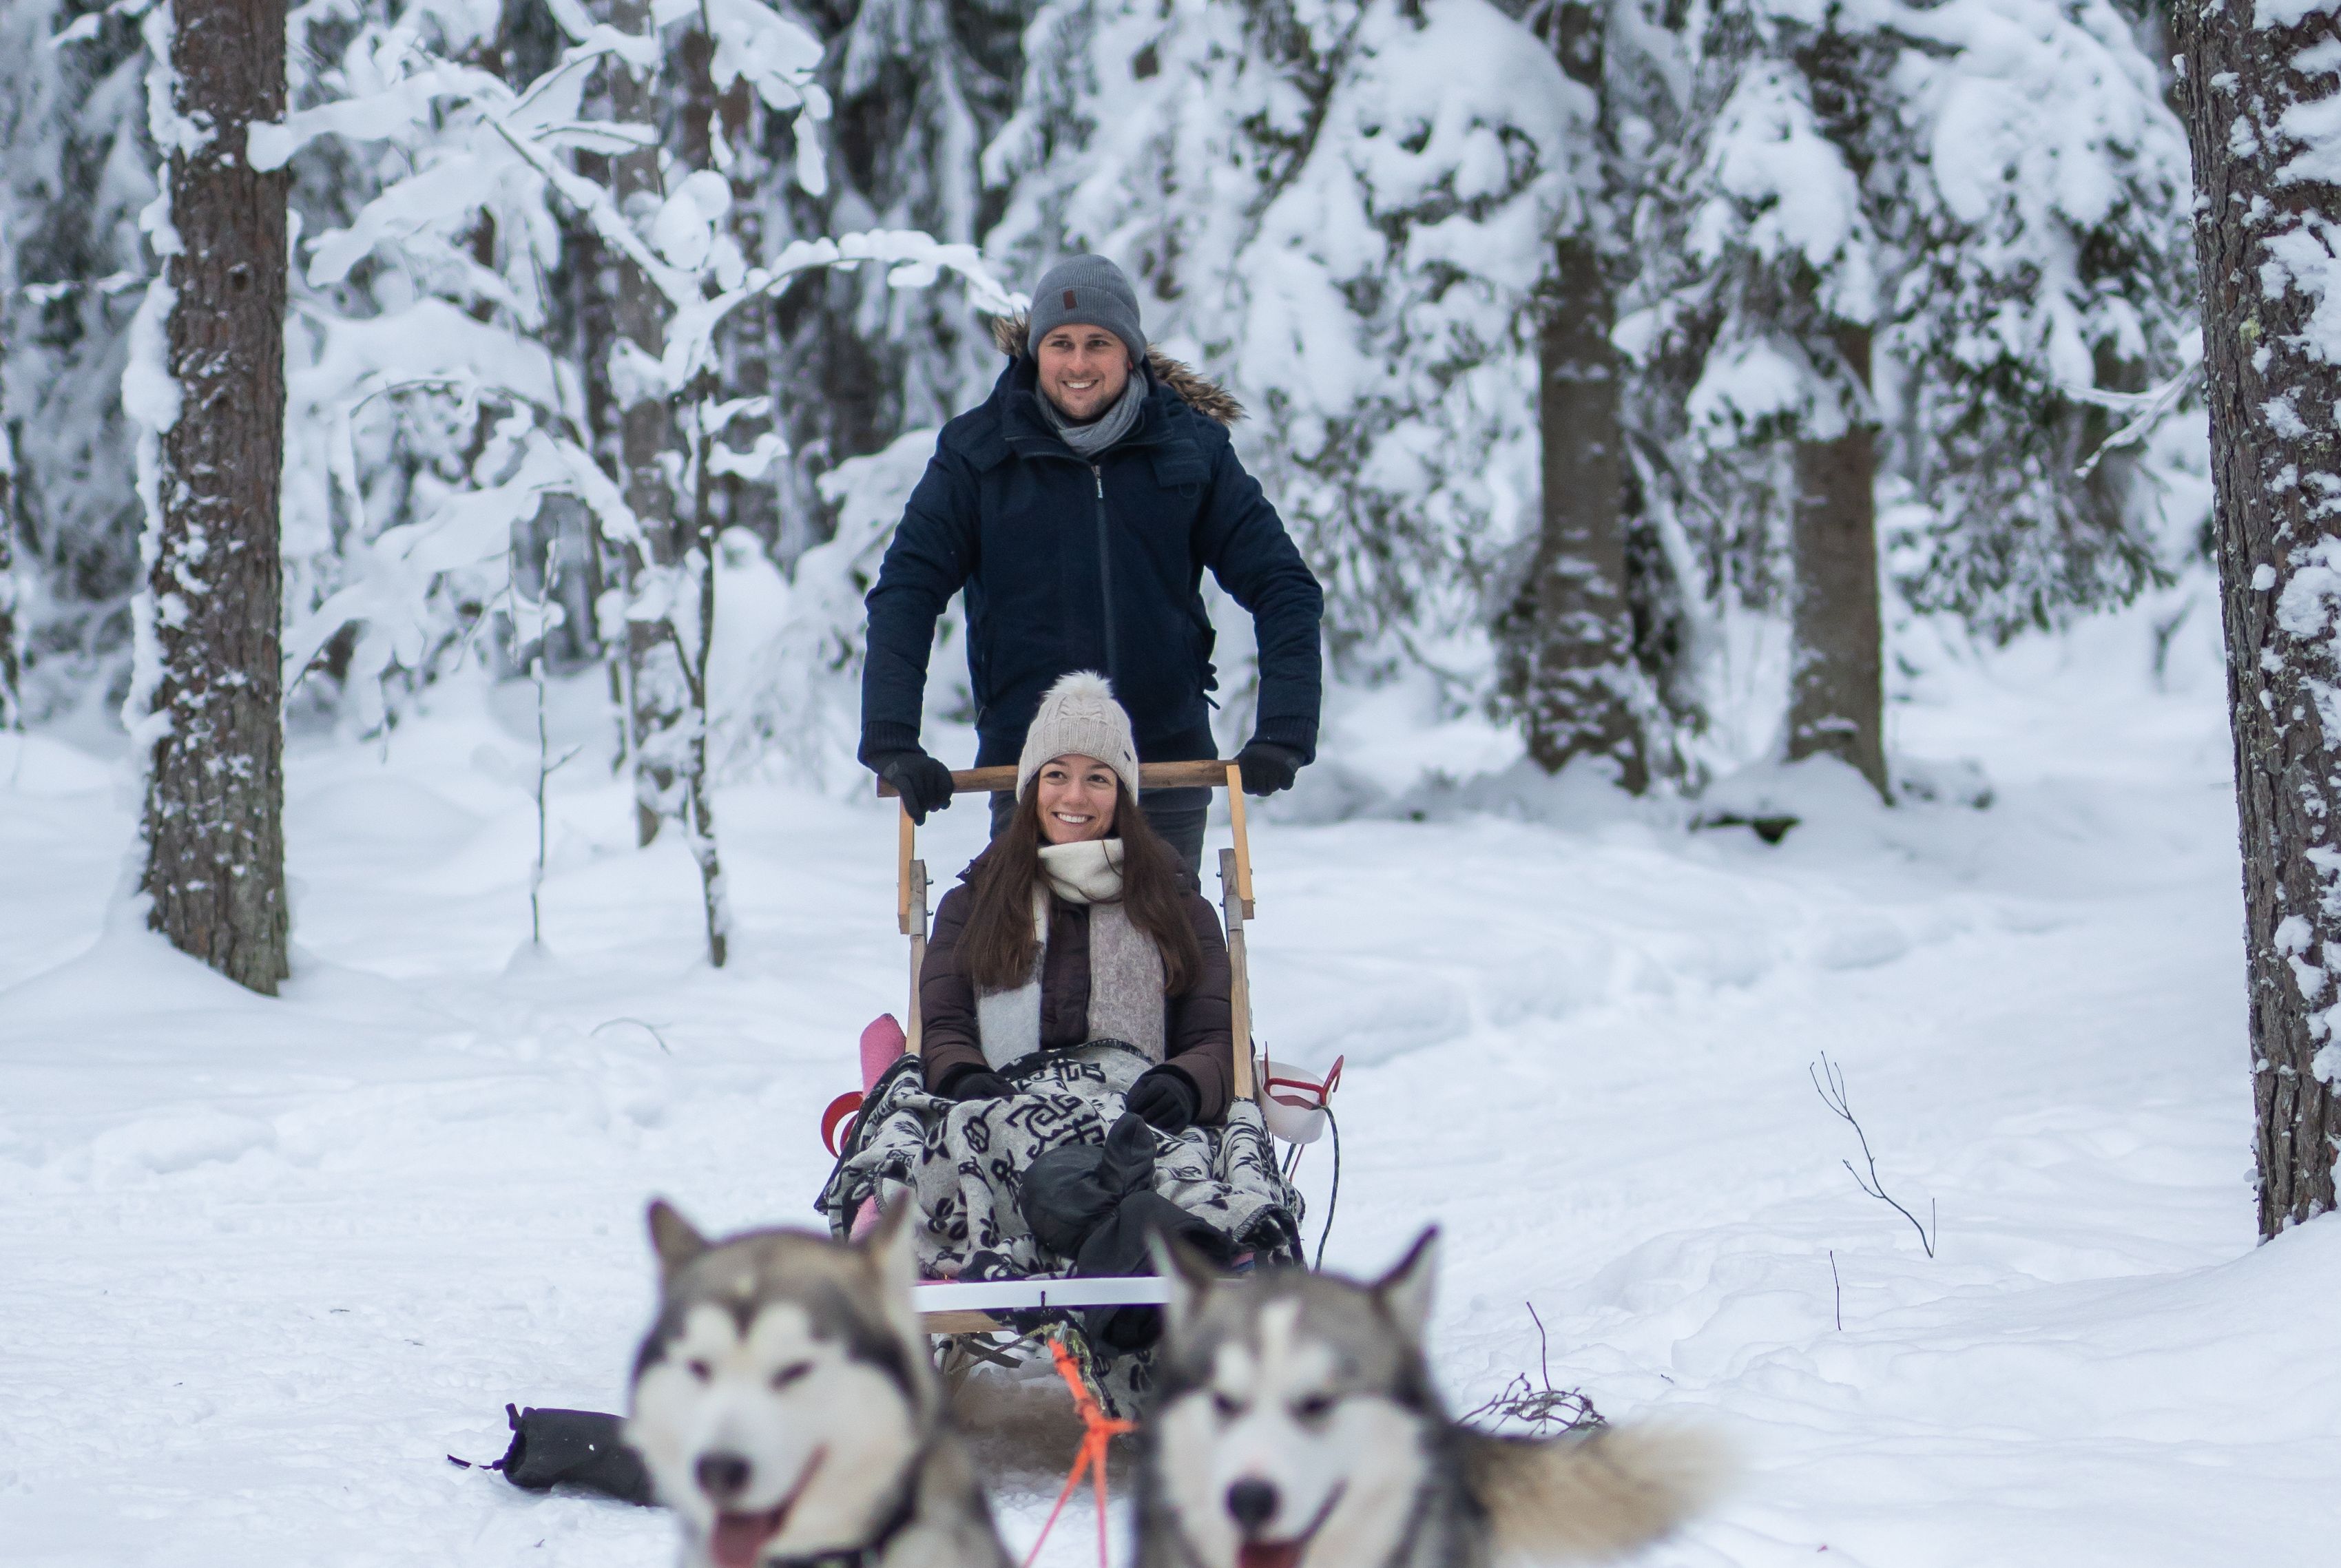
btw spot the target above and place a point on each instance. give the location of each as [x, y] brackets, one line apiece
[950, 1306]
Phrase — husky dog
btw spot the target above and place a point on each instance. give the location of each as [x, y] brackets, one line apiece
[787, 1411]
[1296, 1427]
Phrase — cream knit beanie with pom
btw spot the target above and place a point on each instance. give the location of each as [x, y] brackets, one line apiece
[1079, 716]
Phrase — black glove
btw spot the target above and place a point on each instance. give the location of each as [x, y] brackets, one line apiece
[1166, 1097]
[923, 783]
[969, 1082]
[1267, 766]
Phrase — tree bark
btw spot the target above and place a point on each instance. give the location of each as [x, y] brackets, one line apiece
[11, 703]
[1837, 678]
[645, 433]
[694, 641]
[215, 788]
[2272, 395]
[1575, 663]
[1570, 630]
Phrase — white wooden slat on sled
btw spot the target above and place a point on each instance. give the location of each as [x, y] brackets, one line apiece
[956, 1307]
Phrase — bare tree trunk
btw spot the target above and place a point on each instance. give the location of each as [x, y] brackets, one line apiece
[2273, 410]
[694, 638]
[654, 696]
[215, 788]
[1573, 632]
[1836, 678]
[12, 705]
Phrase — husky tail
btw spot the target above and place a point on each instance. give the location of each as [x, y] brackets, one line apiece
[1581, 1499]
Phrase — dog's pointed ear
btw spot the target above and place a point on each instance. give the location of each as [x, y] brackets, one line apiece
[1404, 1291]
[891, 1248]
[1190, 1276]
[673, 1239]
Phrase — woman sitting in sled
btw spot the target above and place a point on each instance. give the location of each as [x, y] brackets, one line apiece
[1073, 1089]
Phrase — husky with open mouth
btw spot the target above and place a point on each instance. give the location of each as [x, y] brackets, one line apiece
[787, 1410]
[1298, 1427]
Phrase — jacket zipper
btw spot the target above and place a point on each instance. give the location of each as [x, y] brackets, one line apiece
[1105, 568]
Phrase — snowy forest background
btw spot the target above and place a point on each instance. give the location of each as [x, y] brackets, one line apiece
[1947, 243]
[1702, 413]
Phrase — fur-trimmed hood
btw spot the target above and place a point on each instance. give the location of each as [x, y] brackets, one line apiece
[1205, 396]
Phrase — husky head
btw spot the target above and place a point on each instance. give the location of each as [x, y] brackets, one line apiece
[784, 1396]
[1296, 1427]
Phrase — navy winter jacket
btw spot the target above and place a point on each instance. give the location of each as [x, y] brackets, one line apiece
[1072, 566]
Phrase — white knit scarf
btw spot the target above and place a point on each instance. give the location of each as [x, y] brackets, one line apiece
[1126, 974]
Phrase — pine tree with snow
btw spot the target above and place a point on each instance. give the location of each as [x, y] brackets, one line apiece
[12, 703]
[1935, 241]
[2266, 124]
[206, 381]
[74, 177]
[485, 158]
[2045, 293]
[920, 88]
[1577, 670]
[1757, 345]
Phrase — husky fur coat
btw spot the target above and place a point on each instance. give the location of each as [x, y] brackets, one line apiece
[1070, 564]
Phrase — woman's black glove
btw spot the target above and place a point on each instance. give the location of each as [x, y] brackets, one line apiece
[1166, 1097]
[969, 1082]
[1268, 766]
[923, 783]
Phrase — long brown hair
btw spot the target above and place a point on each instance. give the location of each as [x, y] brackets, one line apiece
[998, 946]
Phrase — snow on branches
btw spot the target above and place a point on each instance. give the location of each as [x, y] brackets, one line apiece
[491, 179]
[1995, 189]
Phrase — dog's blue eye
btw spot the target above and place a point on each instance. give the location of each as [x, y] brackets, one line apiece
[791, 1373]
[702, 1370]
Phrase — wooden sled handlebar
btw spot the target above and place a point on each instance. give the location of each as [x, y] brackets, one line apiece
[1235, 882]
[1204, 775]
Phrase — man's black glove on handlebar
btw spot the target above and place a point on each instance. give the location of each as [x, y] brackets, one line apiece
[923, 783]
[1267, 766]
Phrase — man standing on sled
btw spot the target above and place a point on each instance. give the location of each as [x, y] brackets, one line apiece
[1079, 507]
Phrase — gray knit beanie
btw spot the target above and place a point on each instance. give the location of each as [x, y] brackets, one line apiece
[1088, 291]
[1080, 717]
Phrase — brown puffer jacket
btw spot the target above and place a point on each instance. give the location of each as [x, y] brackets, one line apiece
[1195, 1034]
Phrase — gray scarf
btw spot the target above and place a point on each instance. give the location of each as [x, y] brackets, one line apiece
[1089, 439]
[1126, 974]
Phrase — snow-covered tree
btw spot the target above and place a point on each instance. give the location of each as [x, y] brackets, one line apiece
[1589, 666]
[206, 382]
[920, 88]
[74, 176]
[2046, 299]
[1962, 211]
[487, 158]
[2266, 123]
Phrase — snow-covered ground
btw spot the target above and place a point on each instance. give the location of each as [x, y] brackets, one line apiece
[263, 1264]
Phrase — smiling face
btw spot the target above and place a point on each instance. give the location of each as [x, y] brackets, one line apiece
[1289, 1456]
[770, 1443]
[1296, 1423]
[1082, 369]
[1077, 798]
[779, 1399]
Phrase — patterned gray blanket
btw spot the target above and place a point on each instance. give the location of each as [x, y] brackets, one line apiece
[964, 1163]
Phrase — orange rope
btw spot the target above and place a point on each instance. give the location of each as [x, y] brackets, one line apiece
[1098, 1429]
